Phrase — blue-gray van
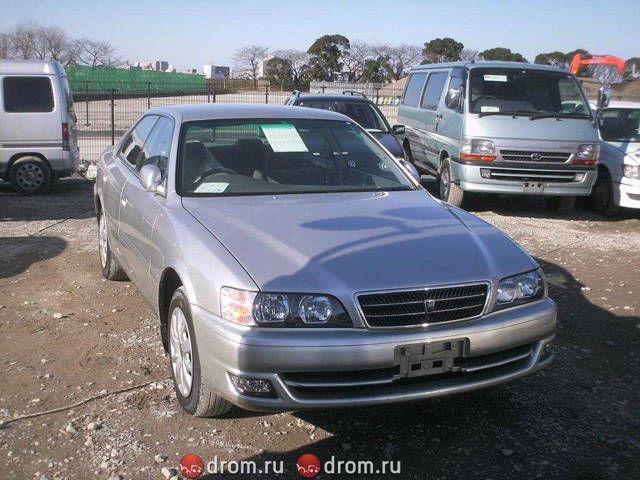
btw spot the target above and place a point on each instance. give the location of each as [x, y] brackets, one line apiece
[38, 138]
[500, 127]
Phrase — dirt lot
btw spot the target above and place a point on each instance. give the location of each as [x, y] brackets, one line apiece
[67, 335]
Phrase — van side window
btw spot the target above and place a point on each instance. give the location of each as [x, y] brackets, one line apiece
[132, 145]
[27, 94]
[412, 93]
[432, 93]
[156, 148]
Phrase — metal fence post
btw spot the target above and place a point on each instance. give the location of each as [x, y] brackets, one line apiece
[208, 93]
[86, 103]
[213, 95]
[266, 94]
[113, 117]
[148, 95]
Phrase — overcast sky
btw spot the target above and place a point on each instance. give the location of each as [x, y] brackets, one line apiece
[194, 32]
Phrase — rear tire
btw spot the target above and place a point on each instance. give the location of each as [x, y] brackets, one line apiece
[562, 205]
[601, 198]
[449, 191]
[110, 267]
[193, 393]
[30, 175]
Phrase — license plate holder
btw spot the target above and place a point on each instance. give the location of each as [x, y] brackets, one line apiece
[432, 358]
[532, 187]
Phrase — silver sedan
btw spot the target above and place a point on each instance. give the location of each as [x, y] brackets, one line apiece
[294, 263]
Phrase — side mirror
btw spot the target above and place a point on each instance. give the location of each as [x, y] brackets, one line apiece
[151, 179]
[604, 95]
[453, 99]
[411, 169]
[397, 129]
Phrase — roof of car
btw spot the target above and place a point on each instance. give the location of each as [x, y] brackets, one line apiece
[488, 64]
[44, 67]
[221, 111]
[331, 97]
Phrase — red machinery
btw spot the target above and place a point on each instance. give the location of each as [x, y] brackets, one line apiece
[582, 62]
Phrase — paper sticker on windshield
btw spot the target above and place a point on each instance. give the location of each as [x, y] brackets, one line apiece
[487, 108]
[283, 137]
[211, 187]
[495, 78]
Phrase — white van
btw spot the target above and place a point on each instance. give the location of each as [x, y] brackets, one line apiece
[38, 138]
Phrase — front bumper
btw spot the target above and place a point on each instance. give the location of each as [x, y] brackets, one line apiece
[278, 355]
[507, 179]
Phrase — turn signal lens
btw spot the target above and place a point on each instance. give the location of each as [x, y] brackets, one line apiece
[236, 305]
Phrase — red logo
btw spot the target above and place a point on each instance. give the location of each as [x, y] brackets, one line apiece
[191, 465]
[308, 465]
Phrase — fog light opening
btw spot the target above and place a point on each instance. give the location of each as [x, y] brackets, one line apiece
[546, 352]
[252, 387]
[579, 177]
[485, 173]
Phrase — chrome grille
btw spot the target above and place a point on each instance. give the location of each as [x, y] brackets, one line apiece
[534, 156]
[524, 175]
[425, 306]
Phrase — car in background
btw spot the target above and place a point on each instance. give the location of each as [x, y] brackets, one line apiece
[38, 137]
[618, 183]
[294, 264]
[357, 106]
[500, 127]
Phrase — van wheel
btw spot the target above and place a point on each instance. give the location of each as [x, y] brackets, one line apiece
[561, 205]
[602, 195]
[449, 191]
[30, 175]
[111, 269]
[193, 394]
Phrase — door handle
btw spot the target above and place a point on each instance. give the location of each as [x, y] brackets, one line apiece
[438, 116]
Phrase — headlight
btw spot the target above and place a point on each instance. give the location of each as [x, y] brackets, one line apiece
[631, 171]
[478, 149]
[520, 289]
[587, 154]
[288, 310]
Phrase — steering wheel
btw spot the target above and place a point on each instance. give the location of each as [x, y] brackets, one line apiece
[212, 171]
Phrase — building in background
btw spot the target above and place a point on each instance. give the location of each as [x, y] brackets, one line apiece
[216, 72]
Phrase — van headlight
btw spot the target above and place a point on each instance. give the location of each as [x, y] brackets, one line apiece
[285, 310]
[478, 149]
[587, 154]
[631, 171]
[519, 289]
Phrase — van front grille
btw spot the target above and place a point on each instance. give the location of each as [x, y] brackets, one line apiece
[424, 306]
[534, 156]
[530, 175]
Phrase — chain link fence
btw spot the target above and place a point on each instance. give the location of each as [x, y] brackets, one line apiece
[103, 115]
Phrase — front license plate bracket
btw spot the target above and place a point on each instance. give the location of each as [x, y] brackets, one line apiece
[431, 358]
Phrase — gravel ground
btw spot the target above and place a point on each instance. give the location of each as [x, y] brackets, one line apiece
[67, 335]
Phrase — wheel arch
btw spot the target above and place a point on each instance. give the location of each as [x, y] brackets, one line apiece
[17, 156]
[169, 281]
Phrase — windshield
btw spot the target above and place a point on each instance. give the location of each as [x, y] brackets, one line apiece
[260, 157]
[620, 124]
[510, 91]
[362, 112]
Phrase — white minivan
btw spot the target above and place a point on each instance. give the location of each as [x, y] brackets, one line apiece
[38, 138]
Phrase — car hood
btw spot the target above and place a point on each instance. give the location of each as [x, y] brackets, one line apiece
[340, 243]
[390, 143]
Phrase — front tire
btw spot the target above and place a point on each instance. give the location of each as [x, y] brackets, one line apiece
[110, 267]
[192, 391]
[30, 175]
[449, 191]
[601, 198]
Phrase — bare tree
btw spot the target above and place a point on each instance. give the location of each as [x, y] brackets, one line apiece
[5, 45]
[249, 59]
[469, 54]
[57, 44]
[23, 39]
[356, 58]
[299, 62]
[401, 58]
[95, 53]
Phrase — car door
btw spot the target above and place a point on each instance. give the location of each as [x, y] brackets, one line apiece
[140, 207]
[125, 163]
[411, 115]
[432, 115]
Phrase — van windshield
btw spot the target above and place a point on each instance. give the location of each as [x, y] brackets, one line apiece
[520, 91]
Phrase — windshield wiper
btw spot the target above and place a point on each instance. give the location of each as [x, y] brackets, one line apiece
[514, 114]
[559, 115]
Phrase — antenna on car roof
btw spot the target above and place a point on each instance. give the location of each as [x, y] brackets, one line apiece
[353, 93]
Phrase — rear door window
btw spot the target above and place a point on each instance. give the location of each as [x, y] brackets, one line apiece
[433, 92]
[132, 145]
[412, 93]
[27, 94]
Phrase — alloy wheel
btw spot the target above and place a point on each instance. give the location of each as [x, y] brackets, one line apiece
[181, 352]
